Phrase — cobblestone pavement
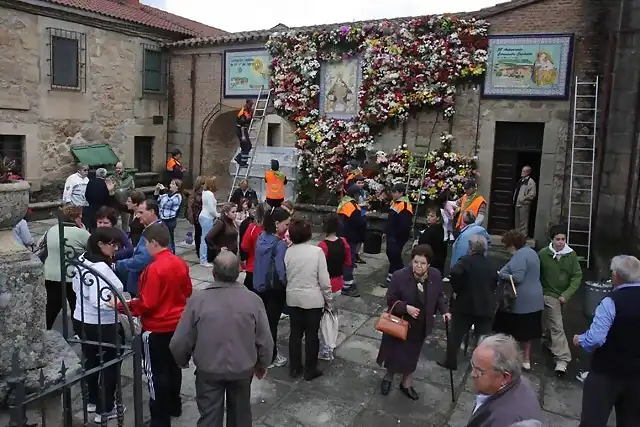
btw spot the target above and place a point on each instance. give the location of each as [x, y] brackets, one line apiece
[348, 393]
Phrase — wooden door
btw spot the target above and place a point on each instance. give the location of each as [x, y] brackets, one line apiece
[503, 181]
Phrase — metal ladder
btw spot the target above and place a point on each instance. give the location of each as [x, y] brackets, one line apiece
[583, 156]
[255, 127]
[413, 165]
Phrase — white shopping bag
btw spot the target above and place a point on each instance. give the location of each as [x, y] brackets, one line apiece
[329, 329]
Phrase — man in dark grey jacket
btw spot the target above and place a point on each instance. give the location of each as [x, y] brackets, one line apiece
[503, 397]
[225, 328]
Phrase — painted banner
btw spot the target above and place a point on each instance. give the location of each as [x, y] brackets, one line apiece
[245, 72]
[532, 66]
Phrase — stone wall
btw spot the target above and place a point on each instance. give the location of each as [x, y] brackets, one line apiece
[473, 126]
[618, 213]
[111, 108]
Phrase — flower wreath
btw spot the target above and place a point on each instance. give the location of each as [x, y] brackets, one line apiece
[406, 66]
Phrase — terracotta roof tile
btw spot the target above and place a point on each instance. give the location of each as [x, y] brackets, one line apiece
[263, 35]
[143, 15]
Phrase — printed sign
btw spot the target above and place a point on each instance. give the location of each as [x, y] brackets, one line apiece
[529, 67]
[246, 71]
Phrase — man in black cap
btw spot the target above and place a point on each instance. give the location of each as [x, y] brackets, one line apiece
[470, 202]
[275, 182]
[398, 228]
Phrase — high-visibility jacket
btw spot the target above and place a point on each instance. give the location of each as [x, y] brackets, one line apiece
[353, 223]
[244, 117]
[348, 206]
[172, 163]
[467, 205]
[275, 184]
[399, 219]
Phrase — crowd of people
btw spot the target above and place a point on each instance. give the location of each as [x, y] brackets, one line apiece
[230, 329]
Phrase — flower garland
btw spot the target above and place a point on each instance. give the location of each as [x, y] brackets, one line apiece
[405, 67]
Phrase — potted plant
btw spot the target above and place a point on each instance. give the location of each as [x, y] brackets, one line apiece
[14, 196]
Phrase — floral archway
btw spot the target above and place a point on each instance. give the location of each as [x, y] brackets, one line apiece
[406, 67]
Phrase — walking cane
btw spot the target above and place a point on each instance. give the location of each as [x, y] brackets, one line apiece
[453, 392]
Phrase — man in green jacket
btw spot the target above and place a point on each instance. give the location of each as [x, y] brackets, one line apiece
[560, 274]
[124, 185]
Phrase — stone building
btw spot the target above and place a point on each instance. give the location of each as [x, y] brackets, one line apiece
[506, 134]
[74, 73]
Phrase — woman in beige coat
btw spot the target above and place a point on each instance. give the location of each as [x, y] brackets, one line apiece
[308, 293]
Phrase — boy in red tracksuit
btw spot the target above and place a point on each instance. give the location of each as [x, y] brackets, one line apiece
[164, 287]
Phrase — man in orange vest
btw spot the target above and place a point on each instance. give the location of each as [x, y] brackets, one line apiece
[243, 120]
[398, 229]
[354, 226]
[470, 202]
[275, 181]
[174, 167]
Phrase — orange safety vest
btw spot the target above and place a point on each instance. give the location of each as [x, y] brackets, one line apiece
[473, 207]
[244, 112]
[275, 184]
[403, 203]
[171, 163]
[348, 206]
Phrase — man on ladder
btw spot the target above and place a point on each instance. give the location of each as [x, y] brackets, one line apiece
[242, 130]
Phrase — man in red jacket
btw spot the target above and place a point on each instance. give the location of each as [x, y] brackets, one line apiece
[164, 287]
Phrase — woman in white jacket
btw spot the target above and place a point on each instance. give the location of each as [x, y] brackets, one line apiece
[207, 216]
[94, 284]
[308, 293]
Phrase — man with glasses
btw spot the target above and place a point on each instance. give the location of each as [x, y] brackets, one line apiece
[75, 187]
[503, 396]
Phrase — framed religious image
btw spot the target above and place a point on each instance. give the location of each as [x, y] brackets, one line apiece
[245, 72]
[529, 67]
[339, 85]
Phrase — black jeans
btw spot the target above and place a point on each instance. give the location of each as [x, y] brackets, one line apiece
[304, 322]
[248, 281]
[171, 224]
[197, 236]
[461, 324]
[210, 397]
[106, 380]
[274, 302]
[164, 377]
[245, 144]
[602, 393]
[54, 301]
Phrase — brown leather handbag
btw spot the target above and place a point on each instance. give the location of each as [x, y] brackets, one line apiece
[392, 325]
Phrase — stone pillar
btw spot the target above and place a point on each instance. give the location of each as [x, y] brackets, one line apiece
[22, 291]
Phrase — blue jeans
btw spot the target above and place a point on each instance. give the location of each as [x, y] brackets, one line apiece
[206, 223]
[171, 225]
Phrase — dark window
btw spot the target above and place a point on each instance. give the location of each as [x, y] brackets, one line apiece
[66, 49]
[142, 156]
[11, 146]
[153, 71]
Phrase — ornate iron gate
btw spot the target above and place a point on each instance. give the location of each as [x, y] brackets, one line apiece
[101, 348]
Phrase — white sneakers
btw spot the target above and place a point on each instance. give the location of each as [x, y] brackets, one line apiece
[526, 366]
[561, 368]
[206, 264]
[279, 362]
[109, 415]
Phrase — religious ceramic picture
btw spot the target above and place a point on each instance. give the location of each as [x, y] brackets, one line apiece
[536, 66]
[339, 85]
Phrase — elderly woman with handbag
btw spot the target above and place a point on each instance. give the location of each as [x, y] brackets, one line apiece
[414, 294]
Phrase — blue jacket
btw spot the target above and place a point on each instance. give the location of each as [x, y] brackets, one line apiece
[127, 248]
[461, 245]
[267, 246]
[131, 268]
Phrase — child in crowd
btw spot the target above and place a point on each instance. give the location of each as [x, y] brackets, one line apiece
[338, 254]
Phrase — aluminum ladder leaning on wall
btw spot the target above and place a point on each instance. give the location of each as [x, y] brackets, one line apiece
[421, 168]
[255, 128]
[583, 155]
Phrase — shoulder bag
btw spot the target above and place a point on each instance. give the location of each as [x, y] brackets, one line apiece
[508, 292]
[392, 325]
[42, 251]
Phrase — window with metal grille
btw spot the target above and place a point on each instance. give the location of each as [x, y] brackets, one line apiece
[143, 153]
[67, 59]
[153, 70]
[12, 147]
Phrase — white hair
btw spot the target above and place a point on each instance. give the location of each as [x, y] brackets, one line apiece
[506, 353]
[101, 173]
[478, 244]
[626, 267]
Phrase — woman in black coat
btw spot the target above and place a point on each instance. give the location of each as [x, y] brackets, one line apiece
[433, 236]
[417, 292]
